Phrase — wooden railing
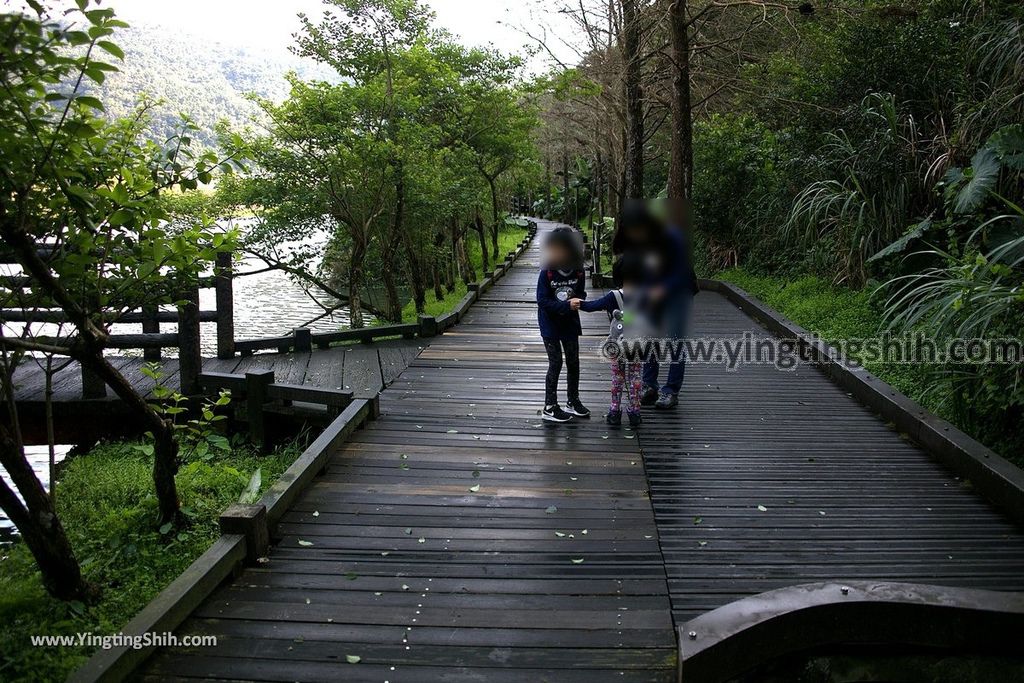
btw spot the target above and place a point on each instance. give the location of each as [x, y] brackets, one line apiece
[188, 317]
[23, 306]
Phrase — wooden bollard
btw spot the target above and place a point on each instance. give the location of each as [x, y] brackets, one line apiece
[249, 521]
[223, 286]
[257, 383]
[303, 342]
[190, 358]
[150, 325]
[428, 326]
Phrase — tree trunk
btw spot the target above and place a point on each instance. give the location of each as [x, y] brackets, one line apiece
[566, 211]
[38, 524]
[478, 225]
[680, 177]
[547, 189]
[89, 352]
[392, 302]
[494, 217]
[634, 166]
[416, 278]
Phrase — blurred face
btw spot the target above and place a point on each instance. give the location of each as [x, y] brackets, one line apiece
[557, 255]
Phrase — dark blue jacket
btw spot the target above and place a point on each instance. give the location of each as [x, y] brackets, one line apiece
[554, 289]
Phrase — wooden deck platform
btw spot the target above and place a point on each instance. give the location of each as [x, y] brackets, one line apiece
[458, 538]
[364, 369]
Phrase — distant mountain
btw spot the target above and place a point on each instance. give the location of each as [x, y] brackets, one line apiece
[206, 80]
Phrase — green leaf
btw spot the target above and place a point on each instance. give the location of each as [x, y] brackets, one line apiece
[1008, 144]
[900, 245]
[475, 488]
[577, 560]
[551, 509]
[111, 48]
[973, 187]
[353, 659]
[252, 491]
[305, 544]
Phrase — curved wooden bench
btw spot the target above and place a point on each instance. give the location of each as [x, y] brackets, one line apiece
[737, 637]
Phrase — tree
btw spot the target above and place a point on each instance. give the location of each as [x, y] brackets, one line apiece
[80, 211]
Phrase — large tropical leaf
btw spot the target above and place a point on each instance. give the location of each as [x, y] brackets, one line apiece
[1008, 144]
[900, 245]
[971, 187]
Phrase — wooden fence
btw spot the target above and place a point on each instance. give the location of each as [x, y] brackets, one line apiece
[15, 291]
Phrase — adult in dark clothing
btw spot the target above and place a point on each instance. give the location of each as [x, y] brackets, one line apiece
[672, 284]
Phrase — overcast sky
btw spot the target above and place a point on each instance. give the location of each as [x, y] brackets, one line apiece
[269, 24]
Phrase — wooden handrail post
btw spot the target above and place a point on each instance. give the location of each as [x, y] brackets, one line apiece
[190, 360]
[223, 279]
[428, 326]
[249, 521]
[257, 385]
[150, 325]
[303, 342]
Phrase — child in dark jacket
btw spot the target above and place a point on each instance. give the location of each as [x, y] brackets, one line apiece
[561, 279]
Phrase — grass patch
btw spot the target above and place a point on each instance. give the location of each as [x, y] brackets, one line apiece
[106, 502]
[509, 238]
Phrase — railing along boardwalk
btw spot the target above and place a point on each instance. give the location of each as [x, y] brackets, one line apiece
[457, 538]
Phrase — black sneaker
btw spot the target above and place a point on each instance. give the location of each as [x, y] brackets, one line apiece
[667, 400]
[614, 418]
[635, 419]
[574, 407]
[649, 397]
[556, 414]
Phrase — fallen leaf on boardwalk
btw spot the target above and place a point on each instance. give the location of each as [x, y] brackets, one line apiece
[762, 508]
[353, 659]
[308, 601]
[316, 513]
[405, 587]
[584, 532]
[559, 534]
[404, 456]
[605, 436]
[421, 540]
[702, 543]
[304, 544]
[551, 509]
[408, 531]
[574, 478]
[351, 576]
[821, 512]
[385, 553]
[577, 561]
[474, 488]
[697, 520]
[453, 431]
[476, 473]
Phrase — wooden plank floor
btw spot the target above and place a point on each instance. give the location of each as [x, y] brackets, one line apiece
[844, 496]
[459, 538]
[364, 369]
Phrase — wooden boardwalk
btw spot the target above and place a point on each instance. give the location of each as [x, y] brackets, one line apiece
[844, 496]
[458, 538]
[364, 369]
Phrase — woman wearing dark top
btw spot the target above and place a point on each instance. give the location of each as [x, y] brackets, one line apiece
[672, 285]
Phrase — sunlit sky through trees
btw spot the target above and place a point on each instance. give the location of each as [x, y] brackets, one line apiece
[269, 24]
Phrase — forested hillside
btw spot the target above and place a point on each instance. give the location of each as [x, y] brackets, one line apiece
[208, 81]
